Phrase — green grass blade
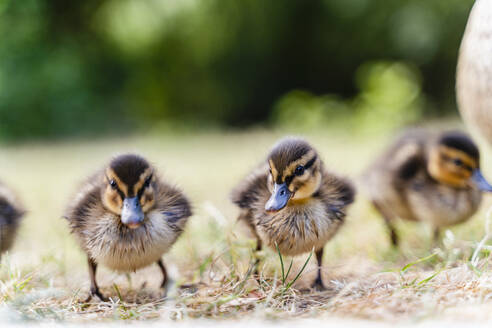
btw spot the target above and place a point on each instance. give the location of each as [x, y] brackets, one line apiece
[203, 266]
[290, 267]
[300, 272]
[426, 280]
[115, 286]
[424, 259]
[281, 263]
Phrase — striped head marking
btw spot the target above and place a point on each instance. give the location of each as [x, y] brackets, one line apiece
[295, 172]
[455, 161]
[129, 189]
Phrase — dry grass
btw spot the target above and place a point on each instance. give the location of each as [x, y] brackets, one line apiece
[44, 278]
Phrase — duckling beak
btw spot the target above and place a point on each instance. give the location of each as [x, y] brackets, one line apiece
[132, 214]
[480, 181]
[279, 199]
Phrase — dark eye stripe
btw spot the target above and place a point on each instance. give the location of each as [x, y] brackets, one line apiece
[462, 165]
[289, 178]
[122, 195]
[140, 192]
[145, 186]
[310, 162]
[147, 182]
[117, 188]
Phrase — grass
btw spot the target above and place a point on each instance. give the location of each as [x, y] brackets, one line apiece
[287, 285]
[44, 277]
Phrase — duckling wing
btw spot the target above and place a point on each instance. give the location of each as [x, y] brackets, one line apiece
[82, 207]
[10, 214]
[337, 193]
[11, 209]
[173, 204]
[252, 189]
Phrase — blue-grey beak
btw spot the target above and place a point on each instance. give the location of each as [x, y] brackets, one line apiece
[132, 214]
[279, 199]
[480, 181]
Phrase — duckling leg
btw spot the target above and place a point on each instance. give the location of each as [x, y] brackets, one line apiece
[259, 247]
[389, 224]
[318, 283]
[160, 263]
[94, 287]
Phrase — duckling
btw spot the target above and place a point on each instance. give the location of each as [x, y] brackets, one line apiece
[125, 217]
[474, 72]
[11, 213]
[292, 202]
[427, 178]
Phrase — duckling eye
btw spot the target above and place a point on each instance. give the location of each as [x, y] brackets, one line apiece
[299, 170]
[147, 182]
[458, 162]
[113, 184]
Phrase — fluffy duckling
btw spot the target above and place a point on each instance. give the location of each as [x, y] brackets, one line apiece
[474, 72]
[11, 213]
[125, 217]
[292, 201]
[422, 177]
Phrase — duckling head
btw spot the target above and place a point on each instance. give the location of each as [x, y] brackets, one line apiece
[295, 173]
[129, 189]
[454, 160]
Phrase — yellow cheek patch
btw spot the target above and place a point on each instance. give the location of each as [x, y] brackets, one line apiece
[147, 200]
[112, 200]
[309, 187]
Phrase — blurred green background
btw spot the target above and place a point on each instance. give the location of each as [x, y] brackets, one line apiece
[93, 67]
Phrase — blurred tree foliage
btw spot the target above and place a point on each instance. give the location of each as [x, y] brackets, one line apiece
[390, 96]
[93, 66]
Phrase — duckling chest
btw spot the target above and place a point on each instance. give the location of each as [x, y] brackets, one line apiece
[123, 249]
[298, 228]
[441, 205]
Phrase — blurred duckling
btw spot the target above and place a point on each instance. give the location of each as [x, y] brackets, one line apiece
[429, 178]
[125, 217]
[292, 201]
[474, 71]
[11, 213]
